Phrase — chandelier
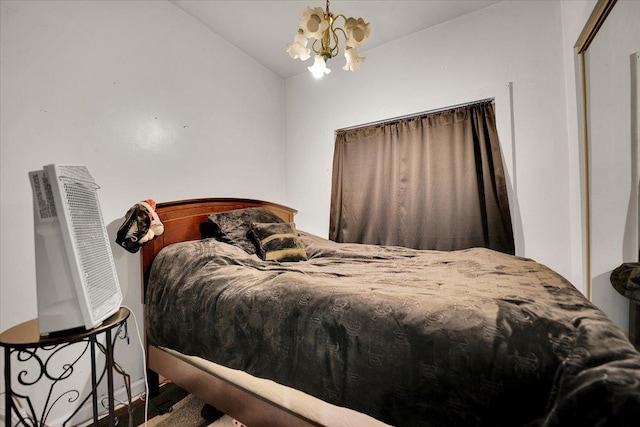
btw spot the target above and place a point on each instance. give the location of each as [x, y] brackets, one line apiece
[321, 26]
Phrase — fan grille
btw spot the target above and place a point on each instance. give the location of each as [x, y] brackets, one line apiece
[92, 242]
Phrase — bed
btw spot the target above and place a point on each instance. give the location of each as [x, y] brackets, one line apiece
[346, 334]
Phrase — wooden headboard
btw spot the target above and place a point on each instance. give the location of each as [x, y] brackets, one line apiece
[185, 220]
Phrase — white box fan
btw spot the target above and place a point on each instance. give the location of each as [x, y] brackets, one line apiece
[77, 284]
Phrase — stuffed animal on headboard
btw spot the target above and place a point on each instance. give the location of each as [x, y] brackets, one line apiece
[141, 224]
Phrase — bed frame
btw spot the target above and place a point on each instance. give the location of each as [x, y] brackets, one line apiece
[187, 220]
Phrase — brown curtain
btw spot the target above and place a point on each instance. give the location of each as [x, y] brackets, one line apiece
[434, 181]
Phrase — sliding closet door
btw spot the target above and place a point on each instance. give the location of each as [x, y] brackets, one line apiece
[613, 154]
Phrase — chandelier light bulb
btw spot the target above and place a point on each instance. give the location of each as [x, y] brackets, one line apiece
[314, 22]
[299, 49]
[319, 67]
[357, 31]
[353, 59]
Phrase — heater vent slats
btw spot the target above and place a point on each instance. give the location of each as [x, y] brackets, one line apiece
[91, 239]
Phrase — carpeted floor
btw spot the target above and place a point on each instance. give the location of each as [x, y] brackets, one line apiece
[173, 407]
[186, 413]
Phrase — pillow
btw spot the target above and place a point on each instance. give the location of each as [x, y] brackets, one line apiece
[234, 226]
[278, 242]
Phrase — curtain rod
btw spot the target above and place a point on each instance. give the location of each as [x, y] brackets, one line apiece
[424, 113]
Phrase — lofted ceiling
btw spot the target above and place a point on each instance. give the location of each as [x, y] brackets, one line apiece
[263, 29]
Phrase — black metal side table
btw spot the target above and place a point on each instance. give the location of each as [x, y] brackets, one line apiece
[24, 342]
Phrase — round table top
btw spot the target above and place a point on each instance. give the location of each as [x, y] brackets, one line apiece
[27, 334]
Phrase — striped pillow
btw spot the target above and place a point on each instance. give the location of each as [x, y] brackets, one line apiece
[278, 242]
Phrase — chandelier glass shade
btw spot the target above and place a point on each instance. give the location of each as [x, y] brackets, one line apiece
[322, 27]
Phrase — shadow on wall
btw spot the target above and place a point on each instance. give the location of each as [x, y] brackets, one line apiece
[603, 290]
[632, 226]
[127, 267]
[512, 184]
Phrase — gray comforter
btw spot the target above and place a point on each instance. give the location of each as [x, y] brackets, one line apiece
[428, 338]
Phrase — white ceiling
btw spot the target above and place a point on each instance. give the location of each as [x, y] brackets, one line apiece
[263, 29]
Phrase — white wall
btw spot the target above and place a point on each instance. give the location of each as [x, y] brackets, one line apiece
[155, 104]
[519, 42]
[528, 43]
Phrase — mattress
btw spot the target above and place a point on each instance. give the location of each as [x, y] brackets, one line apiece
[293, 400]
